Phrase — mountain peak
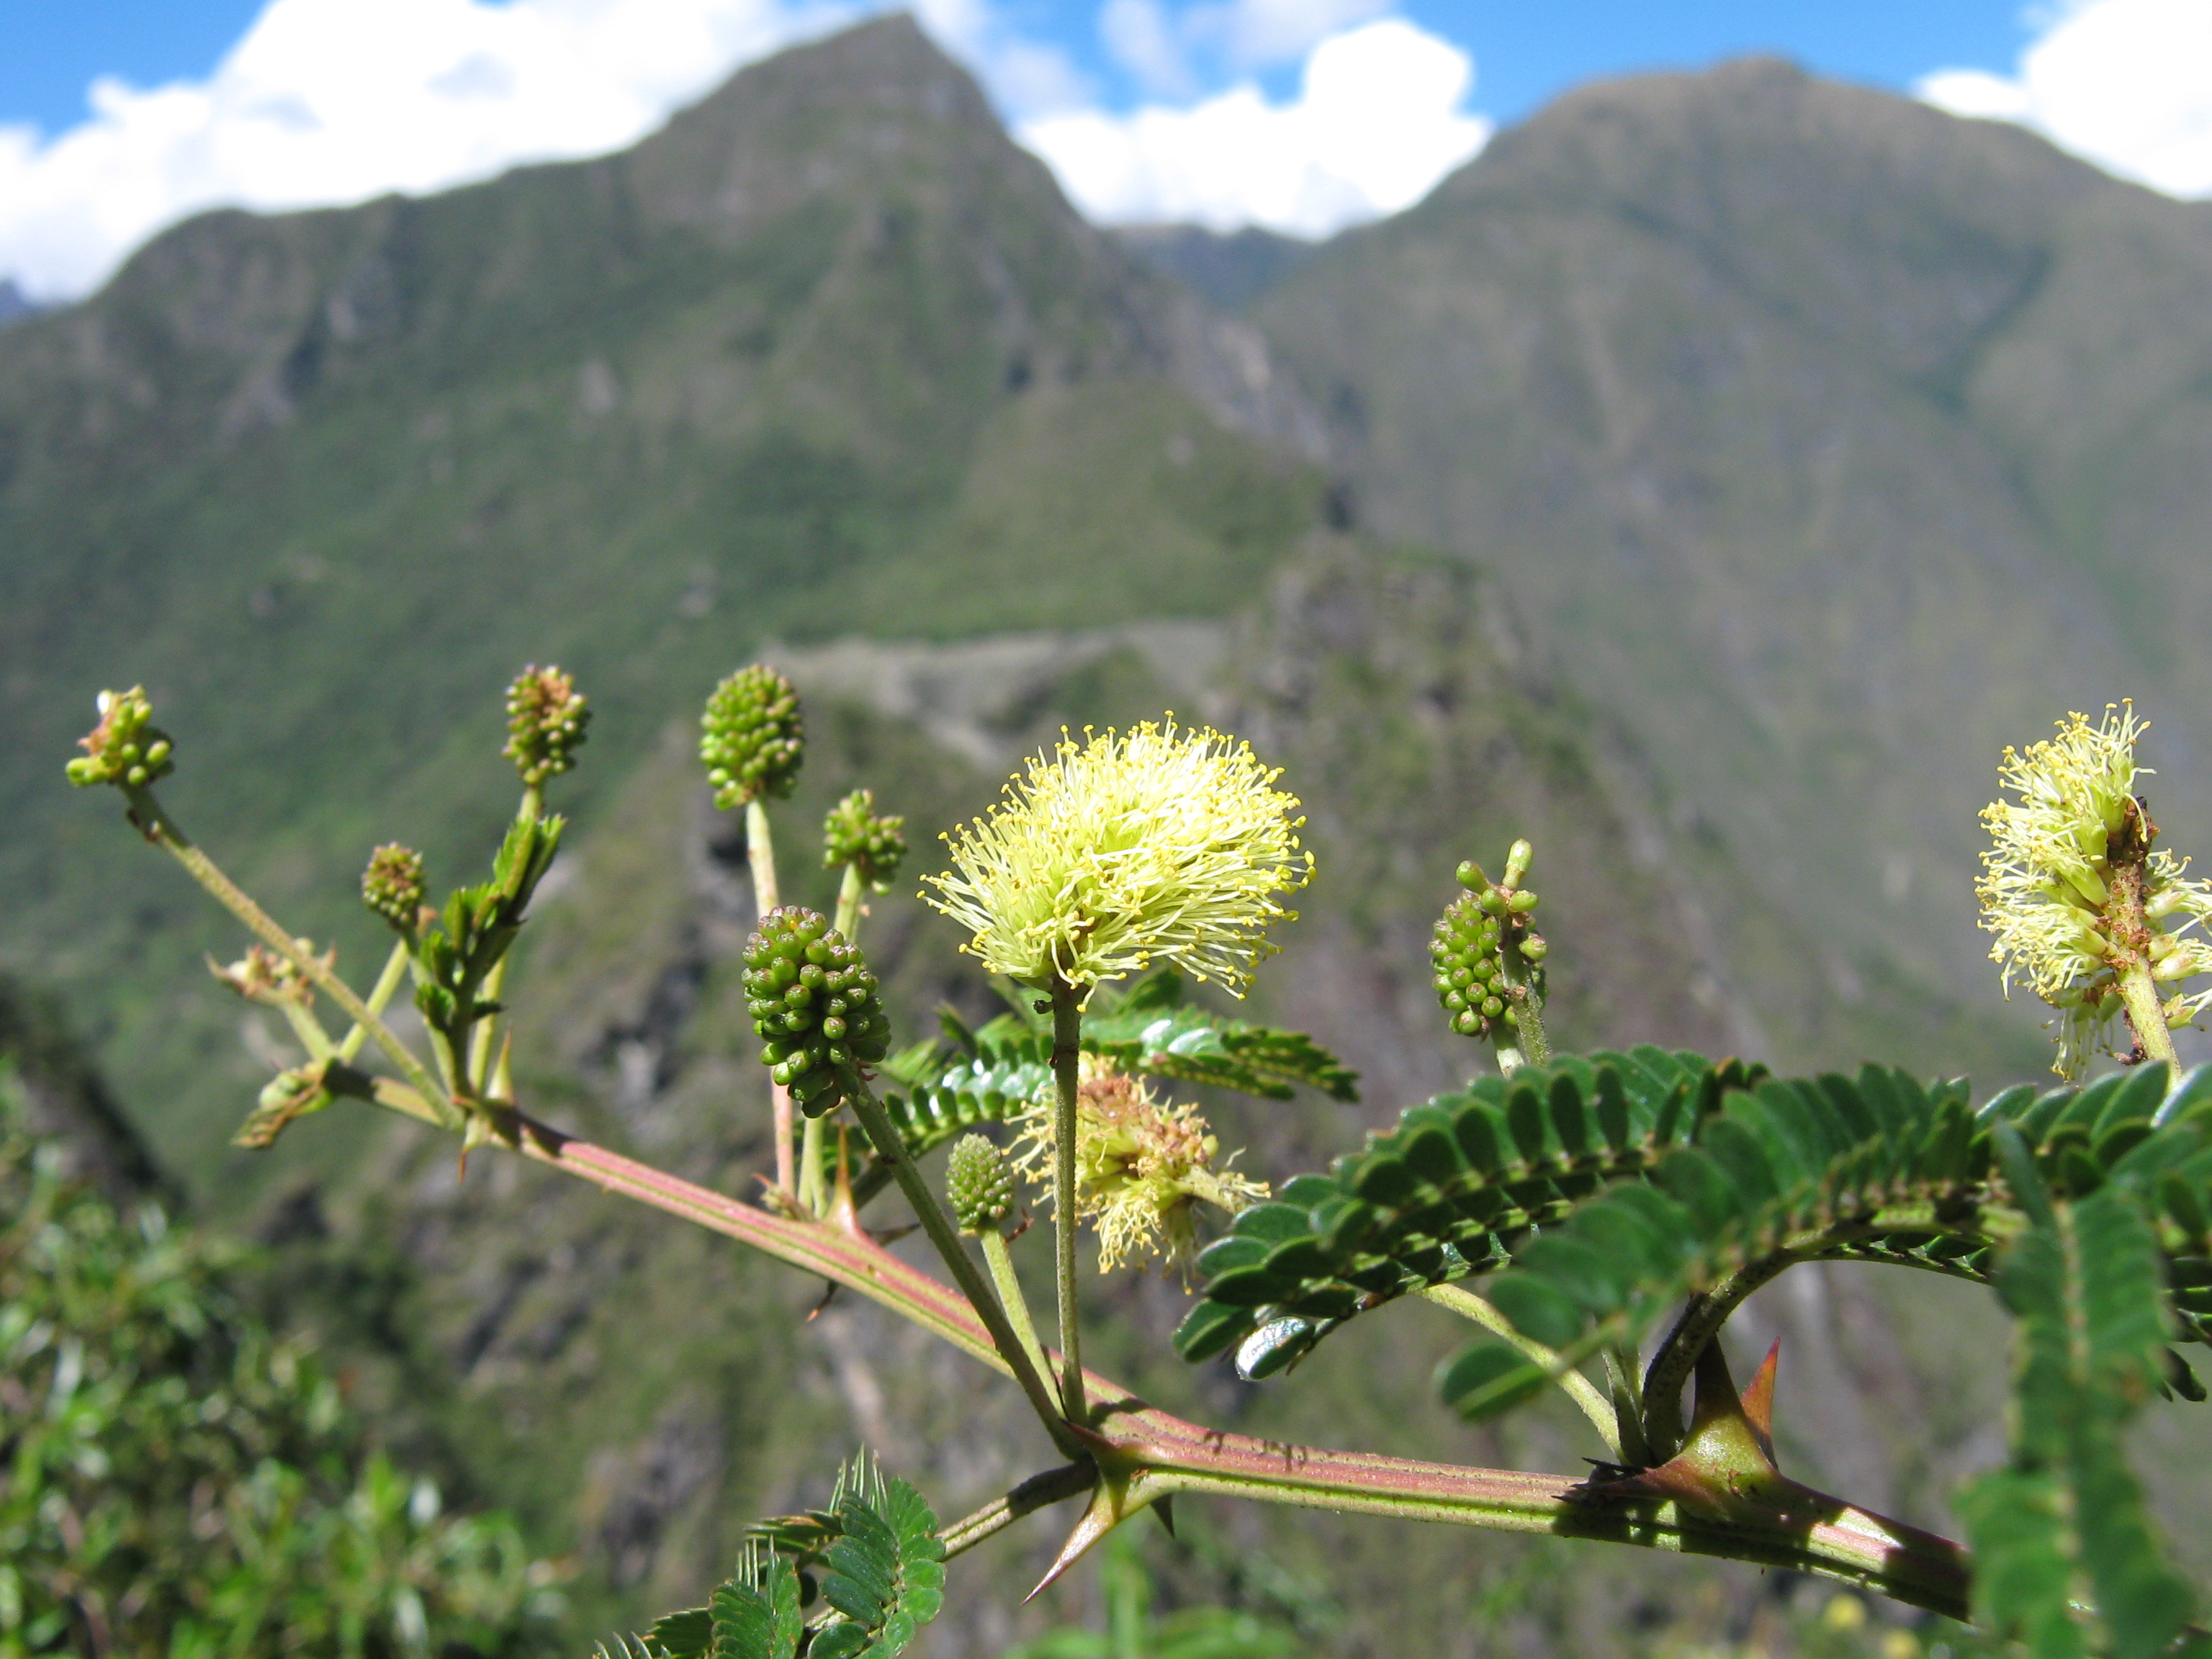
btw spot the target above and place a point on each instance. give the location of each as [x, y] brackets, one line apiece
[870, 100]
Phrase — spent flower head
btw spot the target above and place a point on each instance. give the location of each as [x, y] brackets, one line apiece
[1164, 844]
[1142, 1167]
[2073, 891]
[394, 883]
[126, 749]
[751, 737]
[546, 716]
[267, 976]
[853, 835]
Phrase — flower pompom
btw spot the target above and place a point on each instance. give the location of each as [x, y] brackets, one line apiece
[2047, 890]
[1142, 1167]
[1165, 844]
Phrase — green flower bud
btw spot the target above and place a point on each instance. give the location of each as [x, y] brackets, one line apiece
[815, 1005]
[751, 737]
[1468, 949]
[545, 720]
[393, 884]
[1518, 857]
[853, 835]
[979, 1183]
[126, 749]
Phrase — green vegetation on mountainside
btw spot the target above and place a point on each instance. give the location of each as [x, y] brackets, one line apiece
[828, 354]
[1829, 443]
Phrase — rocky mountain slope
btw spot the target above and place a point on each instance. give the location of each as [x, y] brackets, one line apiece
[829, 355]
[1832, 441]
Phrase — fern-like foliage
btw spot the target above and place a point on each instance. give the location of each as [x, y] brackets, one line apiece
[1602, 1190]
[853, 1581]
[1151, 1030]
[972, 1077]
[2062, 1529]
[1876, 1167]
[1446, 1194]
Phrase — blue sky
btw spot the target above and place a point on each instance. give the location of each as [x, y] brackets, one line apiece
[50, 50]
[121, 117]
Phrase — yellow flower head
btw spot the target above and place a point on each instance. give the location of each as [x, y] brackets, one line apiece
[1142, 1167]
[2047, 883]
[1161, 845]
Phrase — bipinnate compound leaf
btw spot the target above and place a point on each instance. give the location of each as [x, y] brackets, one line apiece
[1446, 1192]
[881, 1572]
[1602, 1189]
[2068, 1560]
[754, 1614]
[886, 1571]
[983, 1076]
[1149, 1030]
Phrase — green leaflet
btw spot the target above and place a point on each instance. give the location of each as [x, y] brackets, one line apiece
[882, 1578]
[478, 924]
[1442, 1196]
[886, 1571]
[1611, 1185]
[1487, 1379]
[986, 1076]
[2065, 1523]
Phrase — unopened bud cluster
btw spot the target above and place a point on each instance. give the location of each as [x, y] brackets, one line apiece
[545, 720]
[1470, 945]
[853, 834]
[979, 1183]
[813, 998]
[751, 737]
[126, 749]
[393, 884]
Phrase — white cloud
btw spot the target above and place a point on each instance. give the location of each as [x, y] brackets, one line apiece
[2124, 83]
[1378, 122]
[332, 101]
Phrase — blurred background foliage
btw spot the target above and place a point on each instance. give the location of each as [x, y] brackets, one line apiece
[177, 1478]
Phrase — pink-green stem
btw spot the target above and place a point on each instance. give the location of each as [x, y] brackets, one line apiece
[1152, 1449]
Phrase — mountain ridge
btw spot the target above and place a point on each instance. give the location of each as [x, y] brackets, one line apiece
[1721, 375]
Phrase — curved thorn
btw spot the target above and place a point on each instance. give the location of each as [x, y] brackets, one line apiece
[1758, 1401]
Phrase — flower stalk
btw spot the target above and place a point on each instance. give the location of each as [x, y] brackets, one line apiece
[1579, 1388]
[760, 859]
[155, 823]
[1012, 1352]
[1066, 1074]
